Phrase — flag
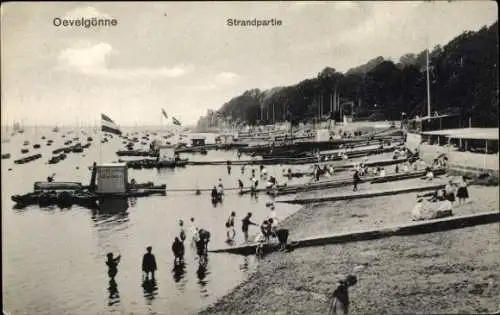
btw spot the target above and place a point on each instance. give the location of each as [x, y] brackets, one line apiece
[164, 113]
[175, 121]
[108, 125]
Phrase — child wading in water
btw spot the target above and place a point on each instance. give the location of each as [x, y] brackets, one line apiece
[340, 298]
[112, 264]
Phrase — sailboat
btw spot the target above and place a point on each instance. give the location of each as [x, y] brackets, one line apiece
[17, 128]
[56, 129]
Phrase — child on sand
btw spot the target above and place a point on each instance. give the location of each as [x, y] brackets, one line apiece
[340, 297]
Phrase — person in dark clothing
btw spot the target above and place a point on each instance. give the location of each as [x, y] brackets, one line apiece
[178, 250]
[396, 169]
[340, 297]
[215, 193]
[50, 179]
[202, 245]
[356, 180]
[282, 235]
[112, 264]
[229, 167]
[245, 223]
[240, 184]
[149, 263]
[205, 236]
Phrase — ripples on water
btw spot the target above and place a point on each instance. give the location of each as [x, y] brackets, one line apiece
[54, 259]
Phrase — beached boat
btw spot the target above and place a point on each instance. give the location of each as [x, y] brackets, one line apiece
[348, 181]
[6, 156]
[52, 186]
[413, 228]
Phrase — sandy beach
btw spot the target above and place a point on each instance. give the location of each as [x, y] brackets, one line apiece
[447, 272]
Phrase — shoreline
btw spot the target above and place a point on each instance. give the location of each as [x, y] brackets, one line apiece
[301, 281]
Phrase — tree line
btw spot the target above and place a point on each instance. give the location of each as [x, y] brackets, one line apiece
[463, 80]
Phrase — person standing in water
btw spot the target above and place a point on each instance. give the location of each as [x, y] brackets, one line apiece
[112, 264]
[245, 223]
[230, 231]
[194, 231]
[149, 264]
[182, 232]
[240, 184]
[178, 250]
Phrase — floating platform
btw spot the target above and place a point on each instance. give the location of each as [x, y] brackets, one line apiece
[414, 228]
[355, 195]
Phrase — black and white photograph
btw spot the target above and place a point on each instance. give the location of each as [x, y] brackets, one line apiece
[263, 157]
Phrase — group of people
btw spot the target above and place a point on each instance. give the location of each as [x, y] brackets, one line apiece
[445, 197]
[218, 192]
[200, 240]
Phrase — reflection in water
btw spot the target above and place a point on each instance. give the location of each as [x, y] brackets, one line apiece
[114, 296]
[150, 290]
[202, 273]
[244, 266]
[132, 201]
[179, 271]
[112, 210]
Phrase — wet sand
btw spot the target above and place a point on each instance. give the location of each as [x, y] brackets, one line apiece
[448, 272]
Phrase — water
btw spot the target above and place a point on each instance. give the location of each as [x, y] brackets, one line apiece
[54, 259]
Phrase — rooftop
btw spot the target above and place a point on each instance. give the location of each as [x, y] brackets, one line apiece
[433, 117]
[466, 133]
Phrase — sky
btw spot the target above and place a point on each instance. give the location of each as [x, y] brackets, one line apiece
[184, 57]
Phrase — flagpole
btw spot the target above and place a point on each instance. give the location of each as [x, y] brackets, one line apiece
[100, 144]
[428, 86]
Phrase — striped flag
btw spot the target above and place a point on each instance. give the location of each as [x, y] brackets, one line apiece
[108, 125]
[175, 121]
[164, 113]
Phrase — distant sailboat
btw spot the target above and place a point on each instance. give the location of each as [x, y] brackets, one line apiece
[56, 129]
[17, 128]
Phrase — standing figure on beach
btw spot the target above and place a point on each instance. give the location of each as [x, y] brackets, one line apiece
[340, 298]
[112, 264]
[356, 180]
[245, 223]
[228, 167]
[178, 250]
[449, 191]
[149, 264]
[462, 192]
